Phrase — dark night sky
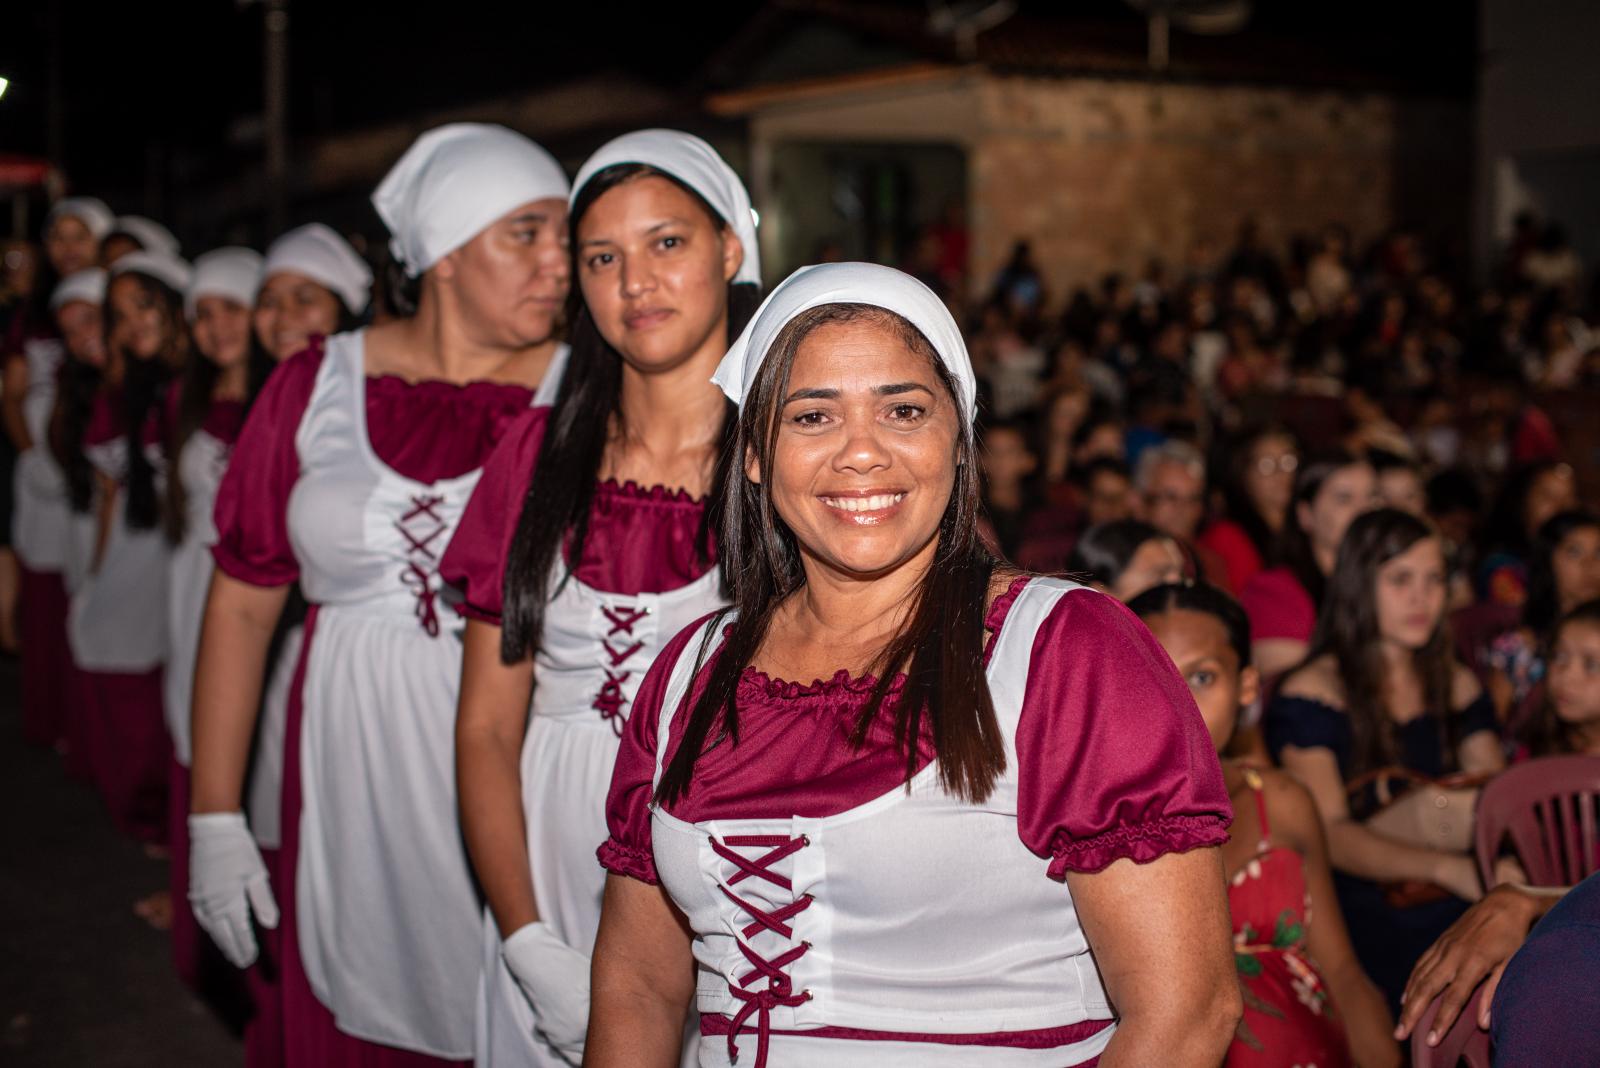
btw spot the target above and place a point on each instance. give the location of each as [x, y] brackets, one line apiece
[179, 73]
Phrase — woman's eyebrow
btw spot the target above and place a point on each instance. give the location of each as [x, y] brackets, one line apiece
[902, 387]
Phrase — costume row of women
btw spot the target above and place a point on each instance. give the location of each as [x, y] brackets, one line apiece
[652, 699]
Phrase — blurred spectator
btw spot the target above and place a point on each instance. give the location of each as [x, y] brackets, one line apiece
[1124, 558]
[1257, 485]
[1399, 482]
[1283, 600]
[1529, 496]
[1171, 480]
[1107, 491]
[1568, 718]
[1563, 573]
[1007, 465]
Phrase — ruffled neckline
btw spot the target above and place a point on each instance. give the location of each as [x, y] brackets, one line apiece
[857, 688]
[653, 494]
[479, 392]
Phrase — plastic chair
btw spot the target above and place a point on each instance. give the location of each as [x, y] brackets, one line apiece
[1463, 1042]
[1548, 808]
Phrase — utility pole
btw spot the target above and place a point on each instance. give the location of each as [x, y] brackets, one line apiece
[276, 112]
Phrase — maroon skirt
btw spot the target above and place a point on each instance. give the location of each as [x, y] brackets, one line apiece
[44, 656]
[129, 750]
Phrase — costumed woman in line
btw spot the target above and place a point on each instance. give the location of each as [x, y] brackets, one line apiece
[313, 285]
[903, 806]
[78, 303]
[349, 477]
[589, 543]
[205, 409]
[117, 552]
[34, 355]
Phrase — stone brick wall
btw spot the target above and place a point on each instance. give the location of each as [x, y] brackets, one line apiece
[1103, 175]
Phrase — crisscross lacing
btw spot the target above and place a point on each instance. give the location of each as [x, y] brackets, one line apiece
[779, 989]
[421, 527]
[612, 697]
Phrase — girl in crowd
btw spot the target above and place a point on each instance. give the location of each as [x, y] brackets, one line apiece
[1380, 689]
[589, 544]
[117, 554]
[868, 864]
[1282, 601]
[1257, 486]
[1568, 719]
[1530, 496]
[1125, 557]
[349, 476]
[1306, 998]
[1563, 572]
[34, 354]
[204, 413]
[78, 301]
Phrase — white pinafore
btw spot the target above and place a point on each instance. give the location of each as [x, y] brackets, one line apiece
[388, 916]
[200, 465]
[117, 616]
[42, 514]
[596, 649]
[914, 913]
[263, 800]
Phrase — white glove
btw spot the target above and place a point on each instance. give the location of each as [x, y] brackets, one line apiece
[227, 879]
[554, 978]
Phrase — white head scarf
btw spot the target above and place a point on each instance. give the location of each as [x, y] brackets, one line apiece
[161, 266]
[320, 254]
[849, 283]
[151, 235]
[230, 272]
[88, 285]
[695, 164]
[453, 182]
[91, 211]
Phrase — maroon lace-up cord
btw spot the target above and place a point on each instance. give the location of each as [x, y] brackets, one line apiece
[422, 526]
[779, 990]
[609, 701]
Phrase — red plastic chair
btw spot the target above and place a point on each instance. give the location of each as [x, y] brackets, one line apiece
[1548, 808]
[1463, 1042]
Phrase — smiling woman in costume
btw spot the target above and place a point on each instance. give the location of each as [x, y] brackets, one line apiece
[868, 868]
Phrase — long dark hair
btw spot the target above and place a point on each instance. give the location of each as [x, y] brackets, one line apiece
[1294, 543]
[588, 408]
[1104, 551]
[1231, 463]
[1543, 732]
[1543, 605]
[1347, 630]
[196, 385]
[945, 695]
[69, 425]
[144, 385]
